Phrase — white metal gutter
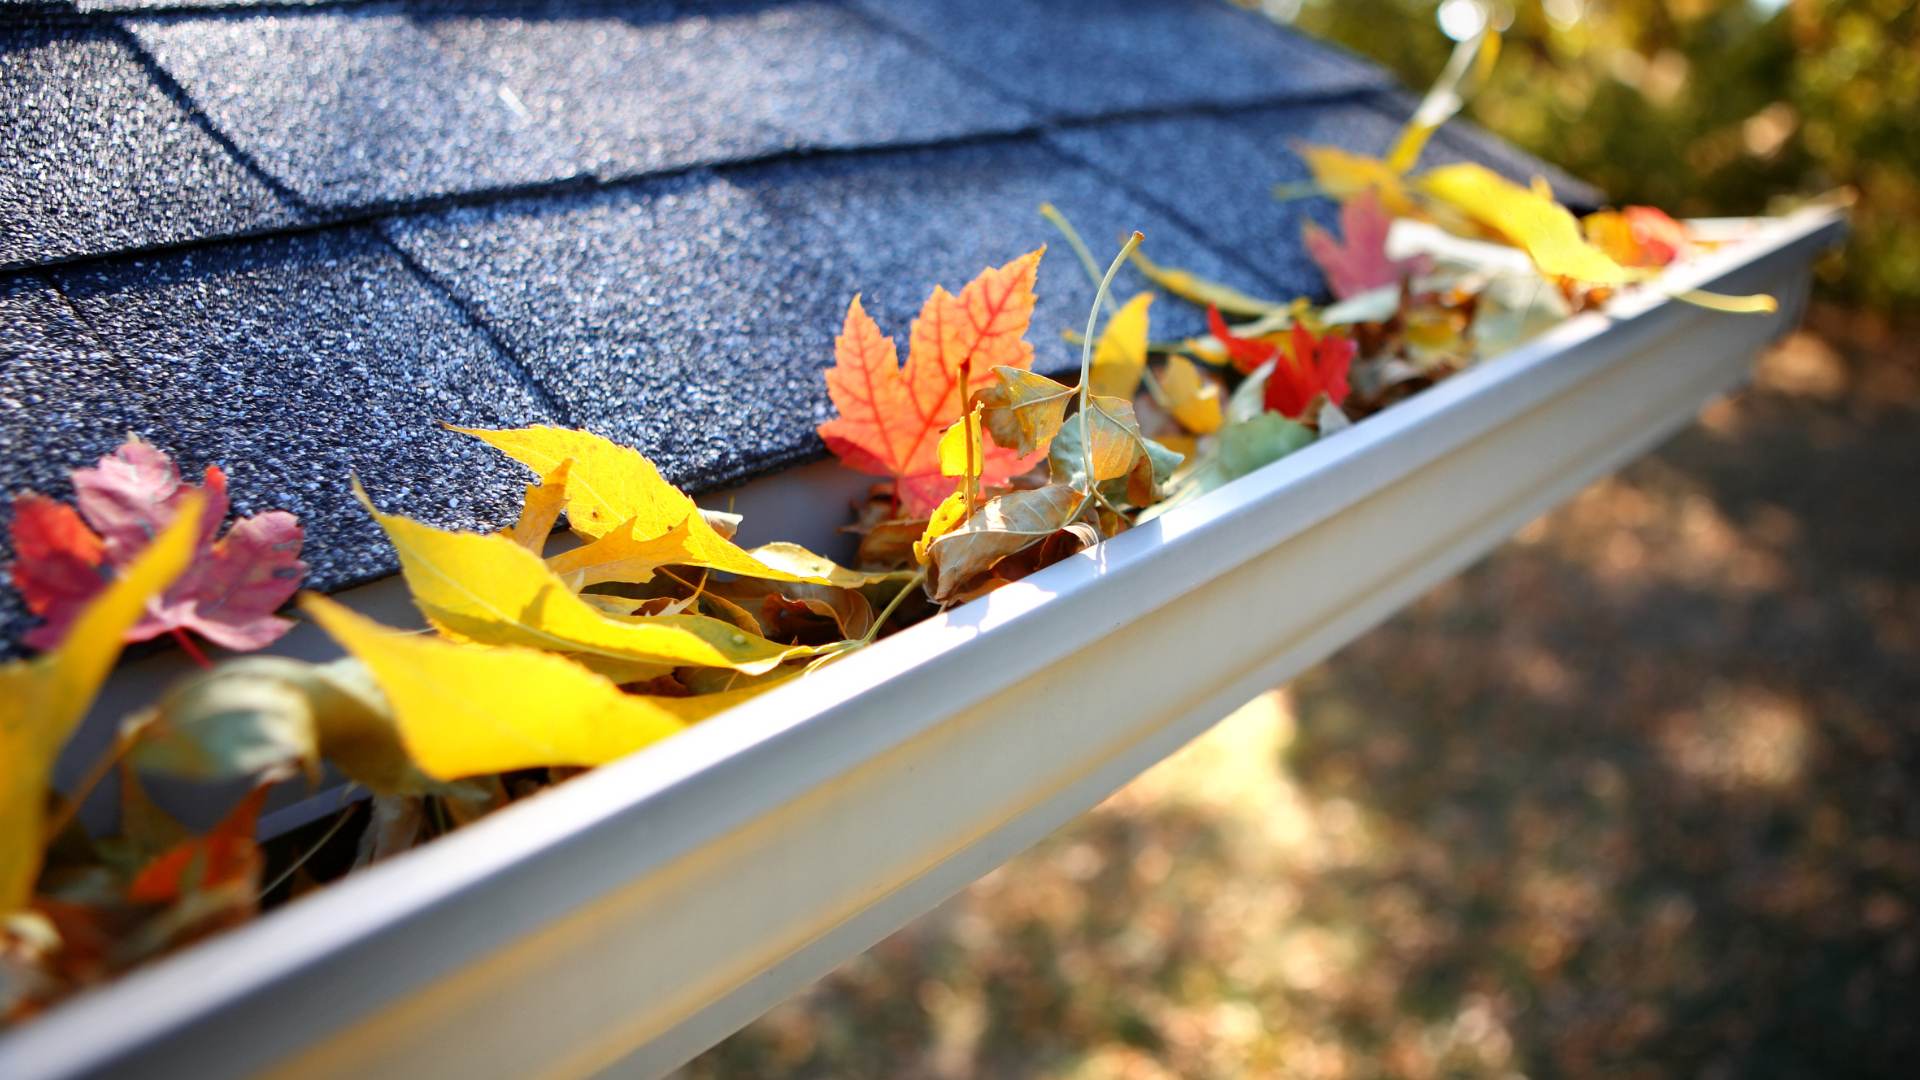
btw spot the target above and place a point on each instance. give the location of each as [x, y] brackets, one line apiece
[630, 918]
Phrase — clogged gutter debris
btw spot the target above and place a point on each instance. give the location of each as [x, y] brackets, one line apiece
[538, 664]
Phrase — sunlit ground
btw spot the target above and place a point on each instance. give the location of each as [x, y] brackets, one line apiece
[1635, 796]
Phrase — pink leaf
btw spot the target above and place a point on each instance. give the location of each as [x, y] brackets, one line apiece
[1360, 263]
[228, 594]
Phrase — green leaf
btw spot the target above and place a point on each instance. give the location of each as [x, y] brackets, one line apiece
[1241, 449]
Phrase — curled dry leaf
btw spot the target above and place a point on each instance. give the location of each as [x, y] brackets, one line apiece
[1022, 409]
[1003, 525]
[1120, 453]
[269, 713]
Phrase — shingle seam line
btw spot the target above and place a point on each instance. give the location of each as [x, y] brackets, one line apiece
[179, 95]
[544, 394]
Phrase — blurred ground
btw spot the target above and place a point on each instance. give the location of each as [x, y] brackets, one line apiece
[1639, 795]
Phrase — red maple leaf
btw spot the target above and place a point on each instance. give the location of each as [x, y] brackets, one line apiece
[1358, 262]
[1304, 369]
[225, 857]
[891, 416]
[227, 595]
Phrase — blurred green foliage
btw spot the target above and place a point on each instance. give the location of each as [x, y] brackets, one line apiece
[1700, 107]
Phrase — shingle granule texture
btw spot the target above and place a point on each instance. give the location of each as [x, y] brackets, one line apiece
[693, 317]
[656, 86]
[356, 106]
[95, 157]
[1215, 172]
[64, 400]
[1094, 57]
[298, 363]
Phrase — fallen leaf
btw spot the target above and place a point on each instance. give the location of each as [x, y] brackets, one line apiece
[486, 589]
[801, 563]
[1003, 525]
[963, 447]
[1357, 262]
[1022, 409]
[1120, 356]
[623, 557]
[43, 699]
[946, 517]
[265, 713]
[1192, 398]
[466, 711]
[224, 858]
[611, 486]
[1306, 368]
[890, 417]
[542, 507]
[228, 594]
[1344, 175]
[1239, 450]
[228, 722]
[1529, 219]
[1128, 466]
[1641, 236]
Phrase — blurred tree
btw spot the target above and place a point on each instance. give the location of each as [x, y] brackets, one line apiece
[1698, 106]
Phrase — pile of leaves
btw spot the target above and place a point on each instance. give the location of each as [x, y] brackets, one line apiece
[547, 654]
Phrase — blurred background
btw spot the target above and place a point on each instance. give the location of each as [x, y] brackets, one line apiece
[1639, 795]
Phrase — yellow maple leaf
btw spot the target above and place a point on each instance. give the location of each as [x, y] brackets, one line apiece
[465, 711]
[486, 589]
[43, 699]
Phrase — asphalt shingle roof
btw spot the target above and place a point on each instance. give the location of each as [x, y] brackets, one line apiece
[289, 237]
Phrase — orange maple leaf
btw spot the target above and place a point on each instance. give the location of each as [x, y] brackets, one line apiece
[891, 417]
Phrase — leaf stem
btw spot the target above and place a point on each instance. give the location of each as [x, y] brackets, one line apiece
[70, 806]
[1059, 221]
[339, 822]
[1086, 359]
[193, 651]
[893, 605]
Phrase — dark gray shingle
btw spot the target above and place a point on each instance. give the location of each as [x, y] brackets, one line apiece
[95, 157]
[355, 106]
[653, 86]
[1094, 57]
[295, 363]
[63, 401]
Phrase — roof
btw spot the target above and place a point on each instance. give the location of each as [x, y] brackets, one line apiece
[292, 237]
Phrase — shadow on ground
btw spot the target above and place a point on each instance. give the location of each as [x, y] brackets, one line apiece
[1635, 796]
